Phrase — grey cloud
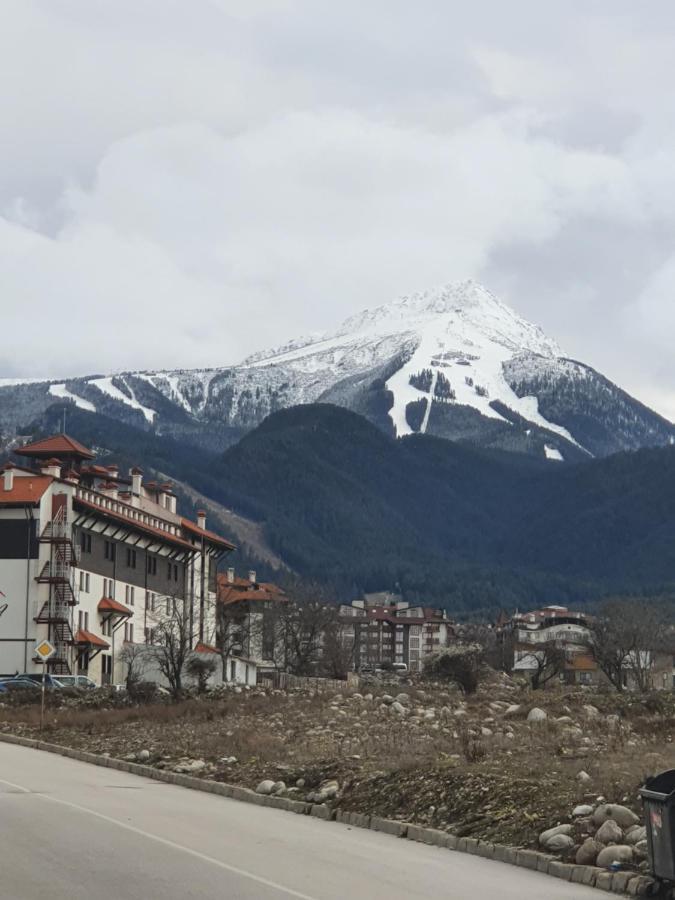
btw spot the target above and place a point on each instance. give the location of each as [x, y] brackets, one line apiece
[261, 168]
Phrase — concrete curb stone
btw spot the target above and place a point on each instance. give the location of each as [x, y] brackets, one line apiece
[616, 882]
[388, 826]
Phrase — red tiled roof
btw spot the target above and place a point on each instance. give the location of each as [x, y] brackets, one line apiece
[57, 444]
[207, 535]
[241, 590]
[26, 489]
[201, 647]
[107, 604]
[86, 637]
[135, 524]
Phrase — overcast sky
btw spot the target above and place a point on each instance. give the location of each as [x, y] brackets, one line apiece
[183, 182]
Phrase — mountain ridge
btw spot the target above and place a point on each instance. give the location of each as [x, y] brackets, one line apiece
[454, 361]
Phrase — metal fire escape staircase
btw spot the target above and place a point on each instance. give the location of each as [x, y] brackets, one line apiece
[58, 573]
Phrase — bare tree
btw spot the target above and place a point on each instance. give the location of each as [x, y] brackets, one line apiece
[547, 662]
[625, 638]
[338, 648]
[172, 643]
[236, 627]
[135, 657]
[201, 668]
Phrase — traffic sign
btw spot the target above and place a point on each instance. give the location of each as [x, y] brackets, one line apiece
[45, 650]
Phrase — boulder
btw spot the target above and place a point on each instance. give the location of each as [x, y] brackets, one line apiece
[143, 755]
[641, 849]
[623, 816]
[403, 698]
[512, 710]
[636, 834]
[609, 833]
[536, 715]
[617, 853]
[560, 842]
[591, 712]
[582, 777]
[279, 787]
[550, 833]
[583, 810]
[265, 787]
[388, 699]
[399, 708]
[588, 852]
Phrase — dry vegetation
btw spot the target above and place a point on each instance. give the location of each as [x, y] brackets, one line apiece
[473, 765]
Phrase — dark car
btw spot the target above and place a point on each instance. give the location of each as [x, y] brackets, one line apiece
[18, 684]
[36, 677]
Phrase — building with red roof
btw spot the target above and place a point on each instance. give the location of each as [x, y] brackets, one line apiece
[386, 630]
[91, 559]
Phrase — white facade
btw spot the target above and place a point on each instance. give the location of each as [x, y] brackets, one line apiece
[90, 560]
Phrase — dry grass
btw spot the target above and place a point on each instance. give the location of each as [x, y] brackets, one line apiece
[510, 781]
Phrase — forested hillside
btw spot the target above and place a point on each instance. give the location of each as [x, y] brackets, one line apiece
[346, 505]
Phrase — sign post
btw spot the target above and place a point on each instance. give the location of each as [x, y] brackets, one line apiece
[44, 651]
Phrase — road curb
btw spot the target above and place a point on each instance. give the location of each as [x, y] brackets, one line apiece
[633, 884]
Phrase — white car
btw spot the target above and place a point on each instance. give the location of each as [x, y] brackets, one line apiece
[76, 681]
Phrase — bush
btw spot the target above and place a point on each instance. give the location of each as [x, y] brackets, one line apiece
[461, 664]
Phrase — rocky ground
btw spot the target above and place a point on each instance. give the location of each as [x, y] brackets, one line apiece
[555, 769]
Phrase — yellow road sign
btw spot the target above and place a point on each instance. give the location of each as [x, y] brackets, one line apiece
[45, 650]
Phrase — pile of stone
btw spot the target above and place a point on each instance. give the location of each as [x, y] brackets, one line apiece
[601, 835]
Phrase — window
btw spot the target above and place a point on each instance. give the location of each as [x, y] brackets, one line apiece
[85, 542]
[131, 558]
[152, 565]
[82, 581]
[87, 582]
[175, 573]
[129, 632]
[168, 606]
[129, 596]
[109, 551]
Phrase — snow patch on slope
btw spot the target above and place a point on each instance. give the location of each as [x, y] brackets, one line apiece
[60, 390]
[106, 386]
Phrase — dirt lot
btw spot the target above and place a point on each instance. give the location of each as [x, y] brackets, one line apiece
[475, 766]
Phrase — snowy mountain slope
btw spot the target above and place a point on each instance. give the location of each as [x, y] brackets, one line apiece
[455, 362]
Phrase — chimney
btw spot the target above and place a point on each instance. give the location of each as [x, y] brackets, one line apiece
[114, 471]
[52, 467]
[230, 576]
[8, 479]
[136, 481]
[201, 518]
[251, 576]
[109, 489]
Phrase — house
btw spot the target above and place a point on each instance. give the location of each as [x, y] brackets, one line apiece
[385, 630]
[527, 638]
[249, 627]
[90, 559]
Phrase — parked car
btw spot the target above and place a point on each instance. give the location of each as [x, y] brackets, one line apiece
[51, 683]
[76, 681]
[8, 685]
[399, 668]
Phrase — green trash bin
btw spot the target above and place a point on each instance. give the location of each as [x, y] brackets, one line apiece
[658, 798]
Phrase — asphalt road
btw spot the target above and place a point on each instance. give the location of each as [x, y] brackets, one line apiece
[72, 831]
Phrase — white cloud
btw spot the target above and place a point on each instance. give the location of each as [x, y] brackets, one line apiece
[192, 247]
[188, 183]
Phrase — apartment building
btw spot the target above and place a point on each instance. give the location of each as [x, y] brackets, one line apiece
[249, 628]
[525, 637]
[384, 629]
[91, 559]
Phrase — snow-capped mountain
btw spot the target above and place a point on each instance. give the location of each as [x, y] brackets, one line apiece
[454, 362]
